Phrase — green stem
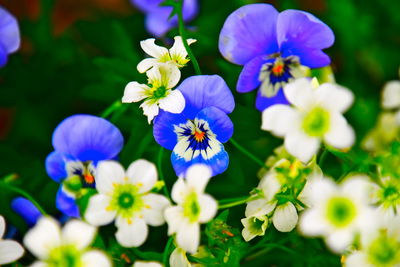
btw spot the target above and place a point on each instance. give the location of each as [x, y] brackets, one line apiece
[234, 203]
[160, 173]
[323, 157]
[182, 33]
[248, 153]
[166, 251]
[113, 107]
[24, 194]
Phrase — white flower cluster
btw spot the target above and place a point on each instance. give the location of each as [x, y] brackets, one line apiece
[163, 74]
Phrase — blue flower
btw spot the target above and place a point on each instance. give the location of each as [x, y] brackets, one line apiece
[273, 47]
[9, 35]
[157, 21]
[197, 134]
[24, 208]
[80, 142]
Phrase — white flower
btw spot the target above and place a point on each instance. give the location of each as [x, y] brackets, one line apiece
[176, 55]
[147, 264]
[194, 207]
[158, 94]
[126, 198]
[254, 226]
[10, 250]
[378, 248]
[391, 95]
[337, 212]
[178, 258]
[66, 247]
[315, 115]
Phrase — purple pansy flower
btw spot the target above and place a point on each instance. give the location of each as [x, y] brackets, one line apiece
[80, 142]
[196, 135]
[9, 35]
[273, 47]
[157, 21]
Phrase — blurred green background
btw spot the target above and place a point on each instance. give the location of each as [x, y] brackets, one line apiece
[77, 56]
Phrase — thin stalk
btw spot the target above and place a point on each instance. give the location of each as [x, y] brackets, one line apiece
[113, 107]
[182, 33]
[166, 251]
[323, 157]
[248, 153]
[160, 173]
[236, 202]
[24, 194]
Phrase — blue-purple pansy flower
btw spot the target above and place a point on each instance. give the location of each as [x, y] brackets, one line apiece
[9, 35]
[157, 20]
[197, 134]
[80, 142]
[25, 208]
[274, 48]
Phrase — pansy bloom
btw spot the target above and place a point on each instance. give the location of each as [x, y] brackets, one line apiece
[158, 22]
[196, 135]
[273, 47]
[80, 142]
[9, 35]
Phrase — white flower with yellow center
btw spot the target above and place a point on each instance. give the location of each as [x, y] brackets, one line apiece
[379, 248]
[177, 54]
[386, 196]
[315, 116]
[126, 198]
[10, 250]
[67, 247]
[194, 207]
[337, 212]
[158, 94]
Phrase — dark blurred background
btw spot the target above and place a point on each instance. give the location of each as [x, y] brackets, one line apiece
[77, 56]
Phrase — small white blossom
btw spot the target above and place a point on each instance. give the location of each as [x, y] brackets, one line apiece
[315, 115]
[177, 55]
[337, 212]
[158, 94]
[10, 250]
[125, 197]
[147, 264]
[194, 207]
[178, 258]
[64, 247]
[254, 226]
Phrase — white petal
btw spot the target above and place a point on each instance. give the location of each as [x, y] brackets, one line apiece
[150, 110]
[154, 210]
[150, 48]
[208, 208]
[142, 173]
[270, 185]
[133, 234]
[285, 217]
[178, 49]
[95, 258]
[188, 237]
[279, 119]
[259, 207]
[391, 95]
[338, 241]
[146, 64]
[108, 173]
[197, 177]
[174, 217]
[170, 74]
[147, 264]
[178, 258]
[43, 237]
[2, 226]
[135, 92]
[320, 189]
[10, 251]
[357, 259]
[300, 92]
[311, 223]
[174, 102]
[334, 97]
[301, 146]
[340, 134]
[179, 191]
[358, 187]
[98, 212]
[78, 233]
